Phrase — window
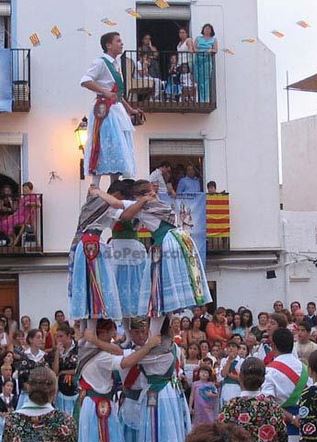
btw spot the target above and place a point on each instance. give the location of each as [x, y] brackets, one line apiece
[179, 153]
[5, 13]
[163, 26]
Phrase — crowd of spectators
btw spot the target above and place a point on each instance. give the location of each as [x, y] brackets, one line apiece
[222, 353]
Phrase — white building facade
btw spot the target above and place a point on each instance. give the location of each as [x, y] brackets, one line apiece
[238, 140]
[299, 214]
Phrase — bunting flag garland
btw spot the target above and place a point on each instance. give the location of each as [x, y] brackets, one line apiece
[35, 39]
[108, 22]
[85, 30]
[278, 34]
[133, 13]
[248, 40]
[162, 4]
[304, 24]
[228, 51]
[55, 31]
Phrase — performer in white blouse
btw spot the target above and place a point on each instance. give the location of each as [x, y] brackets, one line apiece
[110, 147]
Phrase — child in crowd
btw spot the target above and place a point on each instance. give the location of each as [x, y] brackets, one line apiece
[204, 398]
[187, 83]
[229, 373]
[173, 88]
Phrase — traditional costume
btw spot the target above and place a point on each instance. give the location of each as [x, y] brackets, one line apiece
[308, 414]
[259, 415]
[164, 411]
[98, 418]
[110, 146]
[128, 257]
[285, 379]
[133, 383]
[28, 362]
[35, 422]
[92, 288]
[67, 386]
[174, 277]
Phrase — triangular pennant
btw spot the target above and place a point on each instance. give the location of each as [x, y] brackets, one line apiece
[304, 24]
[85, 30]
[55, 31]
[162, 4]
[133, 13]
[278, 34]
[35, 39]
[108, 22]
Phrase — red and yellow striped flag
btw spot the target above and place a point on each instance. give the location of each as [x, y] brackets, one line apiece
[217, 215]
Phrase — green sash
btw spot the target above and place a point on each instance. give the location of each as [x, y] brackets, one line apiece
[116, 76]
[299, 387]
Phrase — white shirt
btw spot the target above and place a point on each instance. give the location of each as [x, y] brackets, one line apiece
[277, 384]
[157, 177]
[99, 72]
[36, 358]
[140, 382]
[109, 217]
[98, 371]
[223, 363]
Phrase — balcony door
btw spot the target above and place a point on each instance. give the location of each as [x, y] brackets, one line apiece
[9, 294]
[180, 153]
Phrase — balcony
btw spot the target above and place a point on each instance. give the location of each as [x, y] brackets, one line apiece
[21, 80]
[188, 87]
[217, 220]
[21, 225]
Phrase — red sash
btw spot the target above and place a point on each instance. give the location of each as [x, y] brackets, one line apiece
[283, 368]
[132, 376]
[103, 409]
[101, 110]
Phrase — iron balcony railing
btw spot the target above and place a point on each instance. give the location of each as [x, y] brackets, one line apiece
[21, 80]
[169, 81]
[21, 225]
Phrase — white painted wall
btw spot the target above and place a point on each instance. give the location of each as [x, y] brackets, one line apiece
[41, 294]
[249, 288]
[241, 141]
[300, 232]
[299, 155]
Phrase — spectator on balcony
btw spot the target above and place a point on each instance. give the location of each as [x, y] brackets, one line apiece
[25, 213]
[7, 203]
[212, 187]
[205, 45]
[173, 87]
[185, 48]
[160, 176]
[153, 55]
[143, 73]
[190, 183]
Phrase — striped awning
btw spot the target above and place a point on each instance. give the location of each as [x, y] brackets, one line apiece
[217, 216]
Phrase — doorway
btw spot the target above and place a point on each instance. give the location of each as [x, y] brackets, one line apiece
[9, 294]
[179, 153]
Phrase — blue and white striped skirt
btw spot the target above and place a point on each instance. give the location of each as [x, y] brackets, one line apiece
[65, 403]
[88, 423]
[176, 289]
[129, 258]
[116, 144]
[79, 295]
[173, 418]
